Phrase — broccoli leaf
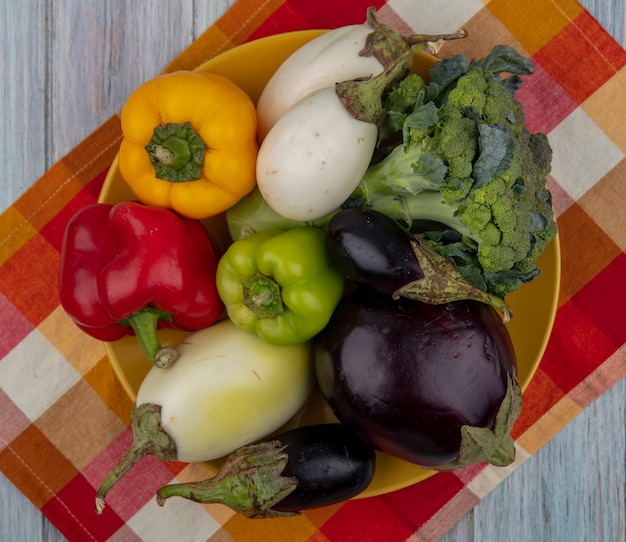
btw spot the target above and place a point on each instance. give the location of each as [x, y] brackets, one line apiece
[430, 168]
[423, 116]
[394, 121]
[504, 282]
[421, 119]
[444, 73]
[496, 153]
[505, 59]
[538, 222]
[513, 83]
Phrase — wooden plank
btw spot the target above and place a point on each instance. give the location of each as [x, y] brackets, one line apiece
[572, 489]
[24, 102]
[610, 14]
[130, 42]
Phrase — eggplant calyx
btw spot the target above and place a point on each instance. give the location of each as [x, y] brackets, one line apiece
[442, 282]
[362, 98]
[386, 43]
[495, 445]
[149, 438]
[250, 482]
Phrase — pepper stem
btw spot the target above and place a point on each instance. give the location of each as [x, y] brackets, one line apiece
[149, 438]
[250, 482]
[442, 282]
[144, 323]
[173, 152]
[176, 152]
[262, 296]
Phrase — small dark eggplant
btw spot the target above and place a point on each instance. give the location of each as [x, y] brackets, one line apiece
[434, 385]
[372, 249]
[304, 468]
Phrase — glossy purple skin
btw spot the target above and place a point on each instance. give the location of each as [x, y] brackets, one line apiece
[373, 249]
[330, 463]
[407, 376]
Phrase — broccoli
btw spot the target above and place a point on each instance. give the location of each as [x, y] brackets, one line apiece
[467, 173]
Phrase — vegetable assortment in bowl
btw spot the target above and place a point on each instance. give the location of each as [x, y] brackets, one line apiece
[250, 67]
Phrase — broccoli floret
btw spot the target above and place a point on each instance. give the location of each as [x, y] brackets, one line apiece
[541, 154]
[402, 98]
[469, 91]
[456, 190]
[468, 163]
[500, 106]
[454, 140]
[476, 216]
[400, 102]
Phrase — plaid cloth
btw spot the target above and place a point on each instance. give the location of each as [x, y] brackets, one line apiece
[64, 417]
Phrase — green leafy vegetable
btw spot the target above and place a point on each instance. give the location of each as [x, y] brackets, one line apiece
[469, 164]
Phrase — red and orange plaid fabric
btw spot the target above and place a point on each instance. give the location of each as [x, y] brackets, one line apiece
[64, 417]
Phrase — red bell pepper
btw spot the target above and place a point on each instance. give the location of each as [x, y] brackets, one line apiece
[131, 269]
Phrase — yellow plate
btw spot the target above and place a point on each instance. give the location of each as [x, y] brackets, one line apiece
[534, 305]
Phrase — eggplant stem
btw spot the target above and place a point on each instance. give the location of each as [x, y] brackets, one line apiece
[250, 482]
[436, 38]
[386, 44]
[442, 282]
[493, 445]
[149, 438]
[362, 98]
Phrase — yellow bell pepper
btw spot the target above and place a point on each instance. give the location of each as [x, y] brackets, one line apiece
[189, 143]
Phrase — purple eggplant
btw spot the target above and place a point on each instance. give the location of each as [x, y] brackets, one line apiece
[374, 250]
[304, 468]
[434, 385]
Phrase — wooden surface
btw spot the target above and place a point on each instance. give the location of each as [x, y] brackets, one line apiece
[68, 65]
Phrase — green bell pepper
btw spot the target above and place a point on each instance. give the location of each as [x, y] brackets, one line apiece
[280, 284]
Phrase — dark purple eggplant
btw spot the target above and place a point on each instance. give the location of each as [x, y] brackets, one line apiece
[304, 468]
[434, 385]
[374, 250]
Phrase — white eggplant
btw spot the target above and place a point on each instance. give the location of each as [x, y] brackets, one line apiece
[227, 388]
[328, 59]
[359, 51]
[316, 153]
[314, 157]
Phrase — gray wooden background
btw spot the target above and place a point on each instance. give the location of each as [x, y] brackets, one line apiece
[68, 65]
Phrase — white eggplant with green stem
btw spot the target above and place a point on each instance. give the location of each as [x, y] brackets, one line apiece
[319, 63]
[341, 54]
[227, 389]
[317, 152]
[337, 55]
[313, 157]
